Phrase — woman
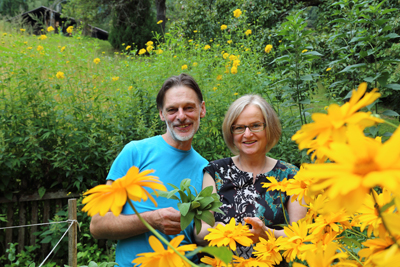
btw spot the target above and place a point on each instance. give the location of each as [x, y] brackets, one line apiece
[251, 128]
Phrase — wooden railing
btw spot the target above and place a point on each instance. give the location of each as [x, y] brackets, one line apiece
[28, 210]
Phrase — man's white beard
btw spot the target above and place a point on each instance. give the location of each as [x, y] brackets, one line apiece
[177, 137]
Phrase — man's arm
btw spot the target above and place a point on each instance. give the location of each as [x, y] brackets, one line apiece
[165, 220]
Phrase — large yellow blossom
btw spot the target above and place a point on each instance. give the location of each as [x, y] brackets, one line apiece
[337, 221]
[234, 70]
[268, 249]
[113, 197]
[50, 29]
[296, 241]
[248, 32]
[149, 43]
[223, 27]
[60, 75]
[164, 257]
[324, 257]
[142, 51]
[330, 127]
[275, 185]
[357, 167]
[42, 37]
[229, 234]
[70, 29]
[206, 47]
[96, 60]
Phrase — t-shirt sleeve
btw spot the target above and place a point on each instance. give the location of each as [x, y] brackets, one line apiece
[123, 162]
[210, 169]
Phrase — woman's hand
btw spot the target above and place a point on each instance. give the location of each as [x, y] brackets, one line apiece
[258, 229]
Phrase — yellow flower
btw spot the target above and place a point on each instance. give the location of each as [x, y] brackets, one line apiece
[130, 87]
[184, 67]
[40, 48]
[22, 30]
[273, 184]
[164, 257]
[142, 51]
[62, 48]
[268, 48]
[42, 37]
[50, 29]
[237, 13]
[26, 42]
[229, 234]
[219, 77]
[149, 43]
[206, 47]
[234, 70]
[229, 41]
[235, 94]
[114, 79]
[280, 41]
[127, 47]
[60, 75]
[248, 32]
[328, 69]
[67, 62]
[96, 60]
[225, 55]
[159, 51]
[324, 257]
[236, 63]
[4, 34]
[123, 44]
[330, 127]
[195, 64]
[214, 262]
[215, 88]
[70, 29]
[194, 31]
[223, 27]
[190, 41]
[295, 242]
[113, 197]
[268, 249]
[305, 50]
[232, 57]
[356, 167]
[160, 21]
[251, 262]
[150, 48]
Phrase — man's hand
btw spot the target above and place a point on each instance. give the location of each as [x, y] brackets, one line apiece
[168, 221]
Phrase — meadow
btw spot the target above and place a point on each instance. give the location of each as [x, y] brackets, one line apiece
[70, 103]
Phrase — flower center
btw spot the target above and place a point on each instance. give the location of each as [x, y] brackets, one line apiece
[365, 167]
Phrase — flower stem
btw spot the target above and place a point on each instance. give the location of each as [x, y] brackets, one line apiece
[160, 236]
[391, 124]
[351, 254]
[356, 232]
[383, 221]
[283, 208]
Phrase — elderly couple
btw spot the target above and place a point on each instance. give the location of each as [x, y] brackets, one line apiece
[250, 128]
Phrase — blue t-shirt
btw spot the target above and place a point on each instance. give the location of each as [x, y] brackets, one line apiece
[171, 165]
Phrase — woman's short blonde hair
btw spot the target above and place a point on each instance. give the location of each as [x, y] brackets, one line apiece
[273, 128]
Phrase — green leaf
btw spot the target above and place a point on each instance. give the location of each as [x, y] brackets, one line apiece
[5, 49]
[352, 67]
[305, 102]
[197, 224]
[173, 186]
[194, 205]
[361, 38]
[41, 191]
[314, 53]
[205, 202]
[206, 191]
[185, 184]
[388, 10]
[208, 217]
[392, 35]
[172, 193]
[222, 253]
[390, 113]
[184, 208]
[186, 220]
[46, 240]
[393, 86]
[184, 197]
[307, 77]
[369, 79]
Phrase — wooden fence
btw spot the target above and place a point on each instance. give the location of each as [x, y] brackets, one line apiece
[28, 210]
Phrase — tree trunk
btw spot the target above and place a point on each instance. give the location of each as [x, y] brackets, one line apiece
[161, 8]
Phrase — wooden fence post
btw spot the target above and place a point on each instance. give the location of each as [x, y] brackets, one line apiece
[72, 234]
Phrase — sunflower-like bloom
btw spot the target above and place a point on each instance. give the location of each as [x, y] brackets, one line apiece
[368, 216]
[268, 48]
[337, 221]
[381, 248]
[241, 262]
[330, 127]
[142, 51]
[164, 257]
[248, 32]
[223, 27]
[298, 188]
[214, 262]
[60, 75]
[295, 242]
[113, 197]
[237, 13]
[324, 257]
[70, 29]
[96, 60]
[229, 234]
[206, 47]
[275, 185]
[268, 249]
[357, 167]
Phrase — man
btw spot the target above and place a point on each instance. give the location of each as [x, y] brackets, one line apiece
[180, 104]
